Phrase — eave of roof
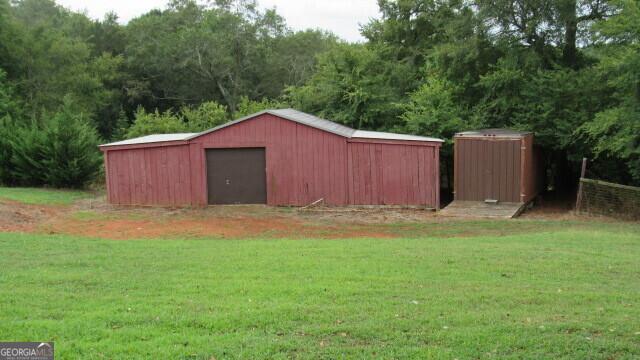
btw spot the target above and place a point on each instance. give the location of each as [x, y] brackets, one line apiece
[149, 139]
[365, 134]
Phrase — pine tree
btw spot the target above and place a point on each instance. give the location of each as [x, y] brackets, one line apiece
[70, 153]
[27, 161]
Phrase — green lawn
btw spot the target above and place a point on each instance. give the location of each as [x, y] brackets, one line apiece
[43, 196]
[563, 294]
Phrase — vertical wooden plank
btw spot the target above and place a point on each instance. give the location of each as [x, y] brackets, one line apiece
[521, 149]
[373, 173]
[456, 170]
[504, 165]
[473, 167]
[148, 180]
[509, 163]
[426, 175]
[379, 174]
[295, 162]
[126, 172]
[114, 164]
[105, 156]
[463, 178]
[356, 173]
[411, 175]
[274, 156]
[281, 175]
[195, 173]
[430, 171]
[322, 164]
[436, 170]
[485, 188]
[495, 170]
[333, 184]
[420, 167]
[365, 174]
[365, 186]
[468, 156]
[163, 173]
[350, 180]
[302, 159]
[406, 178]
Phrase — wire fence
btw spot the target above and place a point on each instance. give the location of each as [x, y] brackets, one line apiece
[598, 197]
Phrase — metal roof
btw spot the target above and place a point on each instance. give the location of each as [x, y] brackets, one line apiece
[322, 124]
[293, 115]
[289, 114]
[152, 139]
[500, 133]
[390, 136]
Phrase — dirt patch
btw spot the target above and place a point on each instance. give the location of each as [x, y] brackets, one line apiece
[95, 218]
[16, 216]
[183, 226]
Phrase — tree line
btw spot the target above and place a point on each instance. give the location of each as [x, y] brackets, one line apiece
[568, 70]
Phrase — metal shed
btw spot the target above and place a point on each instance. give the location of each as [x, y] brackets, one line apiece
[275, 157]
[495, 165]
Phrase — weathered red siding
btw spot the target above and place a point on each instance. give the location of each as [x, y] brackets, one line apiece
[392, 174]
[158, 175]
[304, 164]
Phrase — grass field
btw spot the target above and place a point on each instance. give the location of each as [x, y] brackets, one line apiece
[568, 294]
[42, 196]
[547, 292]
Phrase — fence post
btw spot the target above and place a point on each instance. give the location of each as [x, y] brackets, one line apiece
[582, 174]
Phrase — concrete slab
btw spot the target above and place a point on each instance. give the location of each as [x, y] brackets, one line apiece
[482, 210]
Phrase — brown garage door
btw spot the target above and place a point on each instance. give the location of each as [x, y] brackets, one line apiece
[487, 169]
[236, 176]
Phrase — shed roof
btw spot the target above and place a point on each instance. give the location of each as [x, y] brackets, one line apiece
[152, 139]
[326, 125]
[499, 133]
[365, 134]
[289, 114]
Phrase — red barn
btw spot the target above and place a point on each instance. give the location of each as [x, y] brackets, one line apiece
[274, 157]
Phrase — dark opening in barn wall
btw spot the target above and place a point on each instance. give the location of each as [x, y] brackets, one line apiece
[236, 176]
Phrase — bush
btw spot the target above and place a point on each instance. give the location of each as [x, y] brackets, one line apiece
[155, 123]
[206, 116]
[247, 107]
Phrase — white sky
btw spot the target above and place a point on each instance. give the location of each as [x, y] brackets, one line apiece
[342, 17]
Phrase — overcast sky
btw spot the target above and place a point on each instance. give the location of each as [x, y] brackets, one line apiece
[342, 17]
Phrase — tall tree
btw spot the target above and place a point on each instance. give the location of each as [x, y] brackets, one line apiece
[615, 131]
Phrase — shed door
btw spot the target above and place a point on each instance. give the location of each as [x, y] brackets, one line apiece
[488, 169]
[236, 176]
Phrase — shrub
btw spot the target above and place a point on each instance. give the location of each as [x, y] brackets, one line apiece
[206, 116]
[247, 107]
[155, 123]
